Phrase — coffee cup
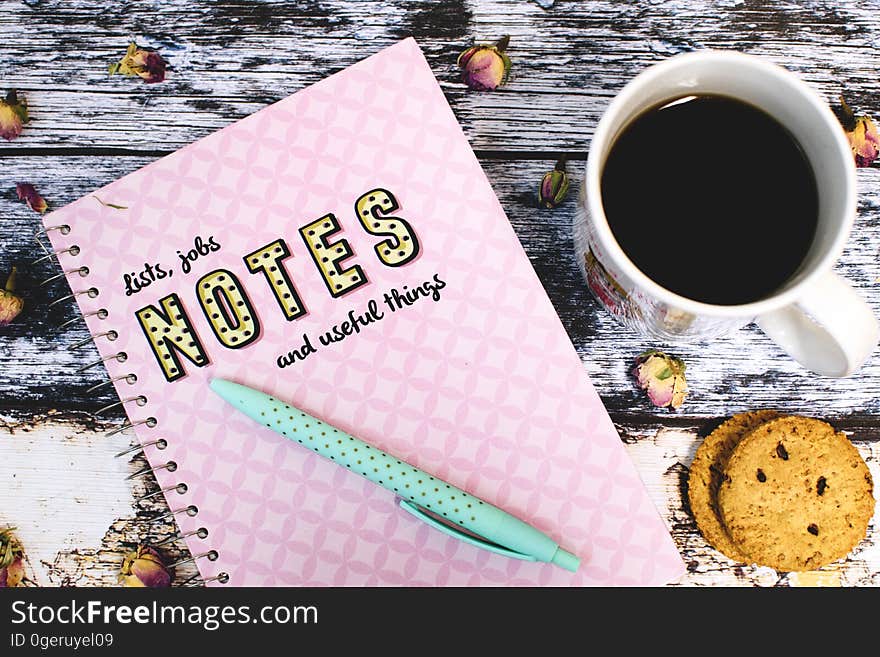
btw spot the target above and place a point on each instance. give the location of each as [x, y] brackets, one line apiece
[815, 316]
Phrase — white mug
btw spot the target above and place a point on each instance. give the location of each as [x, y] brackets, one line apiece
[816, 316]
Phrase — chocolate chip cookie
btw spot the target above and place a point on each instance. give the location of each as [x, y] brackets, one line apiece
[796, 495]
[706, 474]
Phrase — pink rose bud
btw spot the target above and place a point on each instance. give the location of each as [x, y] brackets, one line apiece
[554, 186]
[13, 115]
[662, 377]
[146, 64]
[144, 568]
[861, 131]
[485, 67]
[29, 194]
[864, 141]
[11, 565]
[11, 304]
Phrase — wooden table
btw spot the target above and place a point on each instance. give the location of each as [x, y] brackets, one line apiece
[59, 481]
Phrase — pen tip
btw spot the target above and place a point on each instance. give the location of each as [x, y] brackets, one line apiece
[566, 560]
[221, 386]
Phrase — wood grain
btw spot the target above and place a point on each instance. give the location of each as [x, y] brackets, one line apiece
[232, 57]
[742, 371]
[66, 493]
[662, 456]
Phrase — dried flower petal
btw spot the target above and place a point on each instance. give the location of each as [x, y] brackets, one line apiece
[865, 141]
[554, 186]
[485, 67]
[13, 115]
[662, 377]
[29, 194]
[861, 131]
[11, 564]
[11, 304]
[147, 64]
[144, 568]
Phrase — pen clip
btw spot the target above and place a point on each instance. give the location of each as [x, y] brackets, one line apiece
[449, 530]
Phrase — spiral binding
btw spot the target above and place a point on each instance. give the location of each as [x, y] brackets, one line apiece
[138, 400]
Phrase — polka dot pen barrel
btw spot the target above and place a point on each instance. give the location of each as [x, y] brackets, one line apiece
[441, 505]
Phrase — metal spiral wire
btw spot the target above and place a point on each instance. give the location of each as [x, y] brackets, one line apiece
[138, 400]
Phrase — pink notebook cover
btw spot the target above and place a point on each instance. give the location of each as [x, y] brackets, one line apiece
[476, 382]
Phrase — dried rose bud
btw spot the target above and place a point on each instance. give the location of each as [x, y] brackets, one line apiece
[554, 186]
[13, 115]
[663, 377]
[11, 566]
[10, 303]
[485, 67]
[861, 131]
[29, 194]
[144, 568]
[865, 141]
[147, 64]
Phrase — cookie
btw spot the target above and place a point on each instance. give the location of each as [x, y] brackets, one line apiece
[706, 473]
[796, 495]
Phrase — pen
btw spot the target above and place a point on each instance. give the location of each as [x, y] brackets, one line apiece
[439, 504]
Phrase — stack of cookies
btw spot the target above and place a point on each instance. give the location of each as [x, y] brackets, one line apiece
[781, 491]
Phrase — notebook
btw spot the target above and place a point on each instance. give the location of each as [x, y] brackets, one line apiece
[343, 251]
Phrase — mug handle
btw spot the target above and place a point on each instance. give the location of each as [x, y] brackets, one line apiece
[830, 330]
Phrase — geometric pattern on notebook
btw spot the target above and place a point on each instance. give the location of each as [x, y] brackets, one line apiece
[481, 388]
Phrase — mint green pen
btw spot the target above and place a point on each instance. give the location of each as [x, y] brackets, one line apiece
[441, 505]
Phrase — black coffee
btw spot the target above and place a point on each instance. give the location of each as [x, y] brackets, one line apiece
[711, 198]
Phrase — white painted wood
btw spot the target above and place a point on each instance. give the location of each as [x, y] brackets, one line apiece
[737, 373]
[66, 494]
[231, 58]
[662, 457]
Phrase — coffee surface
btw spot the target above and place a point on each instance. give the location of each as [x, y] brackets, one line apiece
[711, 198]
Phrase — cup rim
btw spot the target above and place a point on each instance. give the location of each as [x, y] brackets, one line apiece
[609, 245]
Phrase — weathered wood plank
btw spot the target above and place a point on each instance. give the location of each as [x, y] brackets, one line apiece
[232, 57]
[662, 457]
[743, 371]
[77, 527]
[65, 493]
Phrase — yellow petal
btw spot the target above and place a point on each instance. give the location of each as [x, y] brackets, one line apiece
[10, 122]
[130, 581]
